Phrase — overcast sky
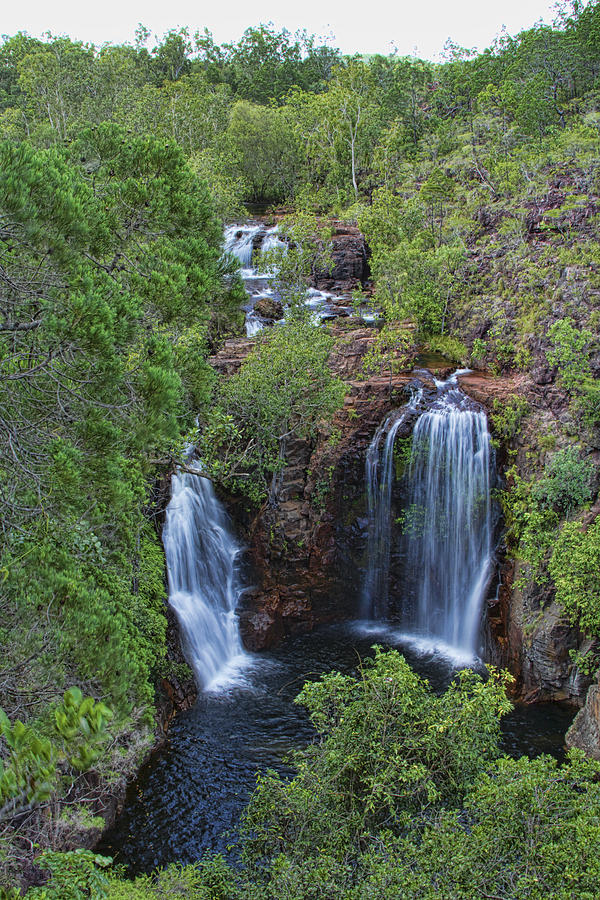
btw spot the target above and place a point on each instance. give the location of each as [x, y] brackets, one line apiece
[374, 26]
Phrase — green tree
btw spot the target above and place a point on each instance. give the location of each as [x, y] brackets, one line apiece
[283, 389]
[304, 250]
[354, 112]
[575, 569]
[112, 259]
[171, 58]
[56, 81]
[265, 149]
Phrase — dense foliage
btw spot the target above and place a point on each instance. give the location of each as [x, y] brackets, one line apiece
[112, 283]
[405, 794]
[283, 390]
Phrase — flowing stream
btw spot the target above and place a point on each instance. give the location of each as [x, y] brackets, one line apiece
[243, 241]
[204, 583]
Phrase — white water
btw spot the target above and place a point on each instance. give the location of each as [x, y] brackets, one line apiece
[240, 241]
[379, 477]
[204, 582]
[447, 524]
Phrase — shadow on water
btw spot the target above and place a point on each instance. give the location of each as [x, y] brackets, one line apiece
[188, 798]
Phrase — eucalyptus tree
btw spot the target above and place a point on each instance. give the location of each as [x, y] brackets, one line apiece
[12, 51]
[266, 149]
[55, 81]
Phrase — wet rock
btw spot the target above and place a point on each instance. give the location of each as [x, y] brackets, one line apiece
[262, 627]
[177, 690]
[584, 733]
[268, 308]
[350, 261]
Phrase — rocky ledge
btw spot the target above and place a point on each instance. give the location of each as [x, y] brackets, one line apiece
[350, 256]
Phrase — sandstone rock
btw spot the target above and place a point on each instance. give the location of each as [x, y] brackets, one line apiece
[585, 730]
[350, 261]
[542, 374]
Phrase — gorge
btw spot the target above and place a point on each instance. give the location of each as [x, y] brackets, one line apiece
[426, 514]
[366, 290]
[392, 529]
[188, 798]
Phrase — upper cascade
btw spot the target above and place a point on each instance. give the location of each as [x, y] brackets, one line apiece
[204, 580]
[243, 241]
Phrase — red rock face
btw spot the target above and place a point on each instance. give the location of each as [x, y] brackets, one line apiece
[350, 261]
[306, 550]
[584, 733]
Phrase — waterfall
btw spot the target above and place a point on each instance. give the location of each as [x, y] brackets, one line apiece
[448, 521]
[239, 240]
[272, 240]
[204, 581]
[379, 476]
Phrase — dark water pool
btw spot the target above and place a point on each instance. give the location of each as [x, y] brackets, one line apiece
[189, 796]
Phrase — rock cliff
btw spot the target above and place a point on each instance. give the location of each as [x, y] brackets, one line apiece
[308, 548]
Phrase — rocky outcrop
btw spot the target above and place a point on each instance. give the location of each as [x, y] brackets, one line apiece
[529, 632]
[350, 261]
[231, 355]
[306, 547]
[268, 309]
[177, 689]
[584, 733]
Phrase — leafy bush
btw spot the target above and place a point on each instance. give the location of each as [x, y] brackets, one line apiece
[389, 751]
[568, 352]
[403, 794]
[507, 416]
[575, 569]
[528, 831]
[283, 388]
[565, 485]
[76, 875]
[32, 763]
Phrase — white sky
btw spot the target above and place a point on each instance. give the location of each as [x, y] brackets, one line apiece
[376, 25]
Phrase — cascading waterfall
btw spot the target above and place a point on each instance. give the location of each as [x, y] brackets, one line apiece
[272, 240]
[448, 522]
[204, 582]
[379, 476]
[239, 240]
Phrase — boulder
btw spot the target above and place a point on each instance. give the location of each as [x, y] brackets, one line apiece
[350, 261]
[268, 308]
[584, 733]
